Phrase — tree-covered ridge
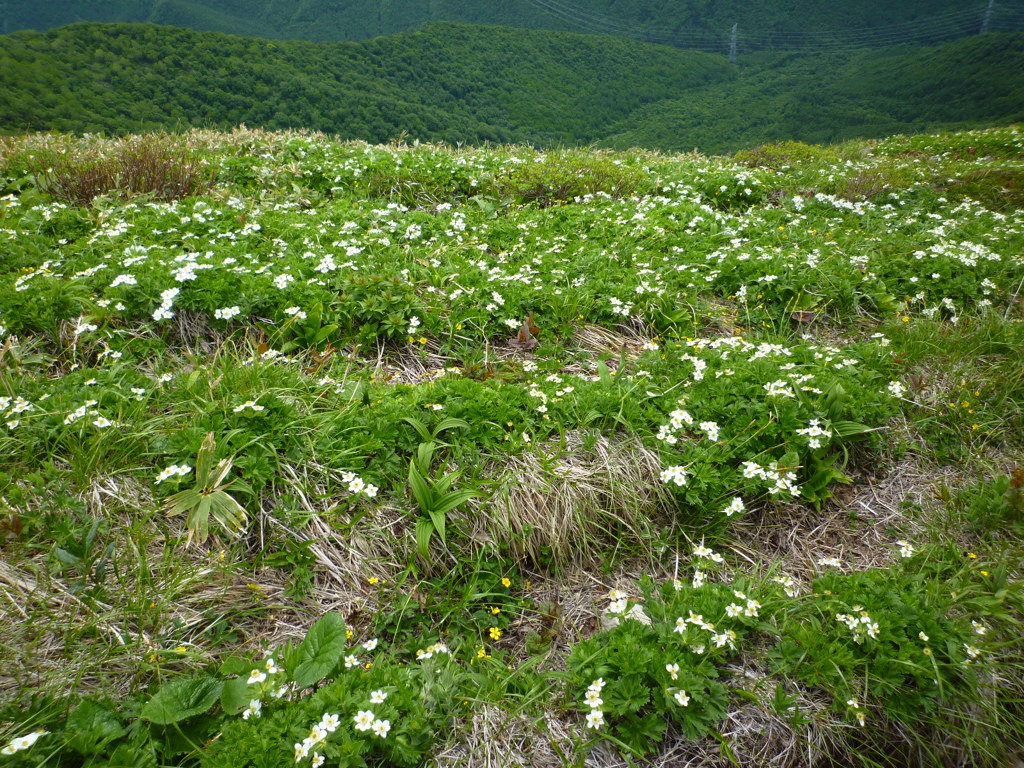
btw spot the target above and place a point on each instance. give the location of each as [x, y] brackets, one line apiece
[451, 82]
[471, 84]
[703, 24]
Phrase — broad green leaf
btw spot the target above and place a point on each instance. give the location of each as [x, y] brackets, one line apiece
[236, 695]
[451, 501]
[850, 428]
[319, 652]
[437, 518]
[181, 699]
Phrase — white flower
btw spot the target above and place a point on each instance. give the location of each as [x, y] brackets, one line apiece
[226, 313]
[673, 671]
[923, 637]
[253, 710]
[593, 699]
[682, 698]
[364, 720]
[351, 661]
[251, 404]
[256, 676]
[735, 506]
[271, 667]
[675, 474]
[595, 719]
[378, 696]
[896, 389]
[301, 750]
[906, 550]
[733, 609]
[381, 728]
[317, 760]
[979, 628]
[370, 644]
[329, 722]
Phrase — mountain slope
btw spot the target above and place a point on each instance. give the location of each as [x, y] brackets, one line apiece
[448, 81]
[462, 83]
[702, 24]
[829, 98]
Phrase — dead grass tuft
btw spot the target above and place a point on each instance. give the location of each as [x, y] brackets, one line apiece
[567, 502]
[494, 738]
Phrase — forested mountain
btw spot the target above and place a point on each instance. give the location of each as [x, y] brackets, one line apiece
[462, 83]
[705, 24]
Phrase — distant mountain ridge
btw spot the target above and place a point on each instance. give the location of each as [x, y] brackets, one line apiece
[475, 84]
[702, 24]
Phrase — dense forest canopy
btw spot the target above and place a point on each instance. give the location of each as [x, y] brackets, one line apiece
[705, 24]
[473, 84]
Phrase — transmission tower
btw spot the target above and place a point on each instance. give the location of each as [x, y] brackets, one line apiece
[988, 17]
[732, 43]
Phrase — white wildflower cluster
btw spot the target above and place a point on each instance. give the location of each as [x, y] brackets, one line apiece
[226, 313]
[814, 434]
[432, 650]
[295, 312]
[783, 481]
[735, 507]
[317, 734]
[174, 470]
[357, 485]
[592, 698]
[620, 307]
[251, 405]
[674, 474]
[20, 743]
[365, 720]
[788, 584]
[746, 607]
[163, 312]
[906, 549]
[896, 389]
[861, 624]
[82, 411]
[859, 713]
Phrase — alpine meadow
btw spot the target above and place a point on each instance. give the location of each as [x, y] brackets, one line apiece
[545, 385]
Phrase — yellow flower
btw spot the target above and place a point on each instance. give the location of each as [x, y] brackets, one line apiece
[495, 611]
[495, 633]
[481, 653]
[181, 649]
[506, 582]
[972, 556]
[373, 580]
[985, 573]
[349, 634]
[905, 319]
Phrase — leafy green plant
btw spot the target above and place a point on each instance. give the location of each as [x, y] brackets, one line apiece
[209, 497]
[433, 495]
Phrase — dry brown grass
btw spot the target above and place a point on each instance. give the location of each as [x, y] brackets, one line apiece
[572, 501]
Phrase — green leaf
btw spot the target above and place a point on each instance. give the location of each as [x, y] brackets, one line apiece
[424, 530]
[450, 501]
[236, 695]
[849, 428]
[320, 651]
[420, 490]
[604, 373]
[181, 699]
[92, 725]
[437, 518]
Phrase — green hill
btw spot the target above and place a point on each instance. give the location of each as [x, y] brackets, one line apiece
[685, 23]
[472, 84]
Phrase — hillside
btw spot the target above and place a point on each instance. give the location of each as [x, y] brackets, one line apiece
[472, 84]
[453, 82]
[323, 453]
[686, 23]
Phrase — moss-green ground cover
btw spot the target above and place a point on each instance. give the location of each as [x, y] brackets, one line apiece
[319, 451]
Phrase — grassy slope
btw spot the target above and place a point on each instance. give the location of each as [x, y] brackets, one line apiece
[100, 396]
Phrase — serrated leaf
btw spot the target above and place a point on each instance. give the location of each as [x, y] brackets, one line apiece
[319, 653]
[181, 699]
